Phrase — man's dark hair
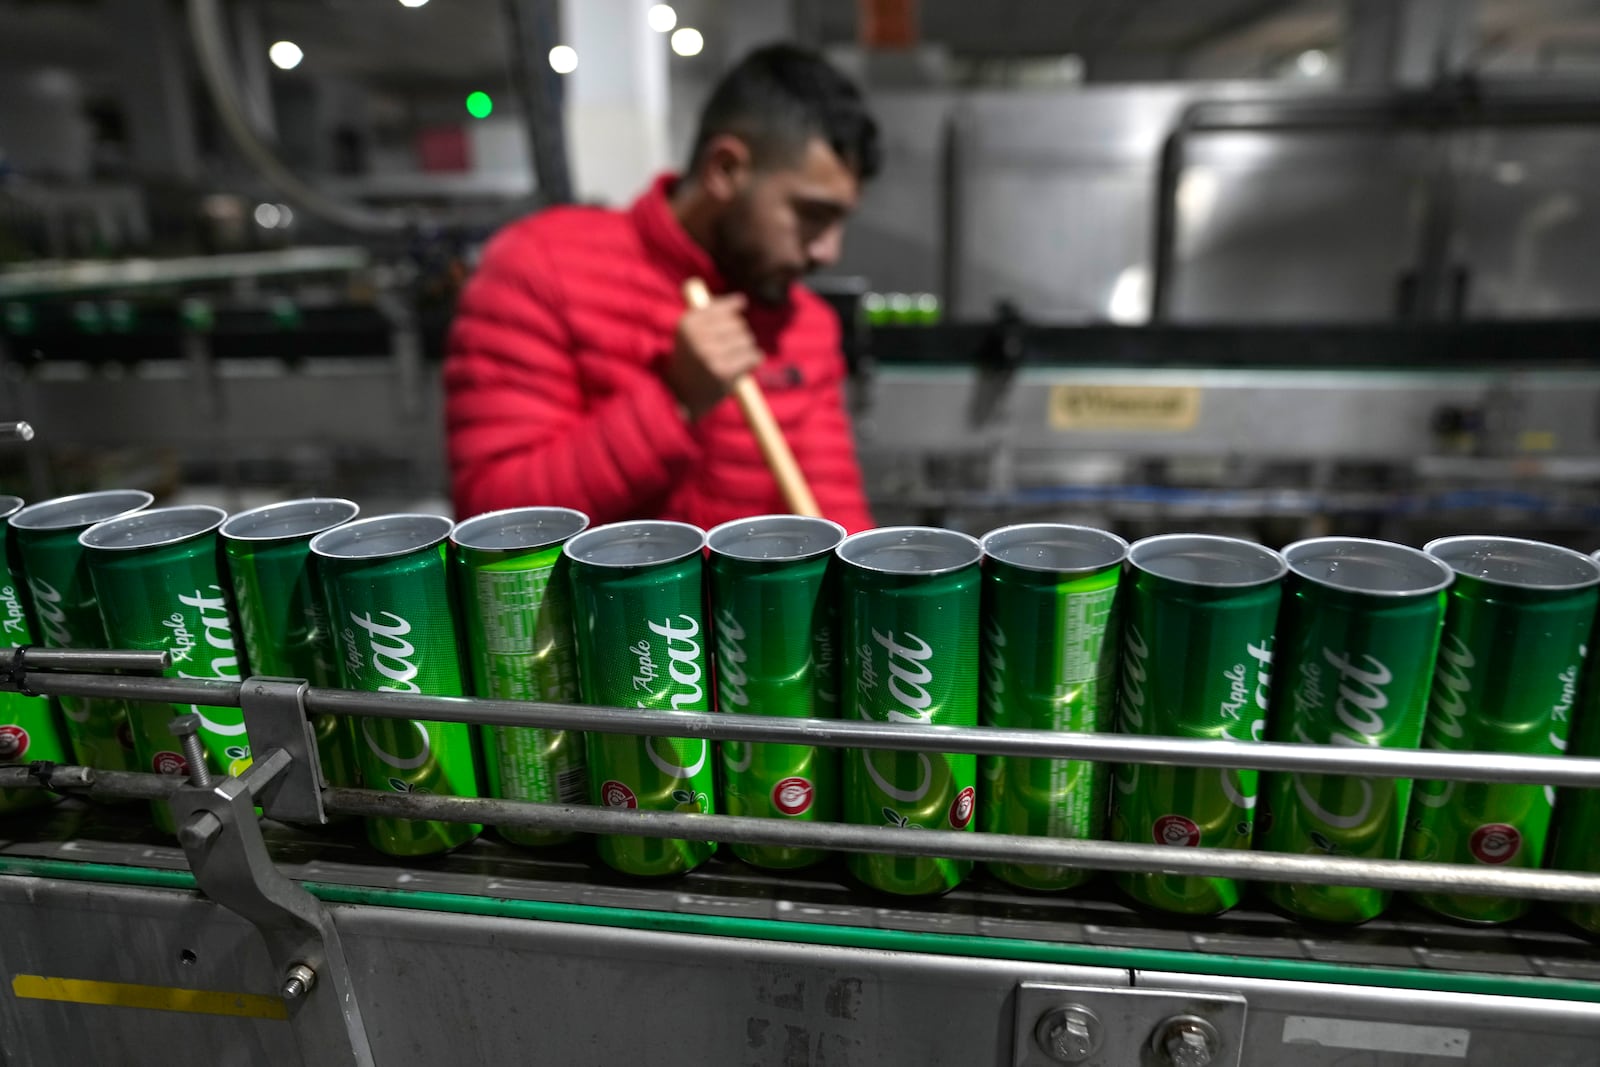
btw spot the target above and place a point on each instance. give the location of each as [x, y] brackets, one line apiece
[781, 96]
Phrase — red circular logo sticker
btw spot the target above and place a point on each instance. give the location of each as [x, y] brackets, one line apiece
[961, 808]
[1495, 842]
[792, 796]
[614, 794]
[169, 763]
[13, 742]
[1177, 830]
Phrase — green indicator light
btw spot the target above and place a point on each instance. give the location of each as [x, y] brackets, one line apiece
[479, 106]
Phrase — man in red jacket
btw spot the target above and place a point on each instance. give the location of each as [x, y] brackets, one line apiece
[575, 375]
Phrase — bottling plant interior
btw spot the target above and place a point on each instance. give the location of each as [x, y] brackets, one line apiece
[799, 532]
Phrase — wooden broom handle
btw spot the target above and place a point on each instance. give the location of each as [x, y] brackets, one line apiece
[769, 435]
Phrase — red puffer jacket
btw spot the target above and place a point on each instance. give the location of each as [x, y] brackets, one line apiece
[554, 394]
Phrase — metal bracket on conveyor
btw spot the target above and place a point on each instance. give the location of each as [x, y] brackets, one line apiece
[221, 836]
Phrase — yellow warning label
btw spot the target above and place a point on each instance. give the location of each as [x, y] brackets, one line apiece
[1536, 441]
[1124, 407]
[153, 997]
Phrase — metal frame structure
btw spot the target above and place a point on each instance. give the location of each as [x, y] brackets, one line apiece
[1056, 1017]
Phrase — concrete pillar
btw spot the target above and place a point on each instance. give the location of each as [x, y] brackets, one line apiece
[616, 100]
[1406, 44]
[154, 88]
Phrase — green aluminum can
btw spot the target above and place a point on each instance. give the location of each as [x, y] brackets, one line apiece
[386, 587]
[1577, 816]
[909, 622]
[159, 578]
[28, 730]
[1515, 634]
[1358, 641]
[638, 602]
[774, 619]
[1049, 663]
[516, 602]
[67, 615]
[1197, 634]
[281, 615]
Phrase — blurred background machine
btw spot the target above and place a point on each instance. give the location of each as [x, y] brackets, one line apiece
[1276, 268]
[1273, 268]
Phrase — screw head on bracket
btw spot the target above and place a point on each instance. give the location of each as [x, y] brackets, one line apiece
[298, 980]
[1187, 1041]
[1069, 1035]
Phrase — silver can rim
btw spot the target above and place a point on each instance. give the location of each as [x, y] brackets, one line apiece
[1413, 555]
[95, 535]
[326, 543]
[854, 545]
[1111, 540]
[466, 528]
[231, 532]
[693, 542]
[1552, 552]
[1278, 566]
[28, 517]
[9, 506]
[832, 527]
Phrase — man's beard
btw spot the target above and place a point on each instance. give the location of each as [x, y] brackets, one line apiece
[741, 264]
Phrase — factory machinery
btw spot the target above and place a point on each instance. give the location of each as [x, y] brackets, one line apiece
[324, 374]
[269, 933]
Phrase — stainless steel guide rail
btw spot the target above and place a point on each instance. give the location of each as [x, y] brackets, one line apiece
[223, 844]
[277, 710]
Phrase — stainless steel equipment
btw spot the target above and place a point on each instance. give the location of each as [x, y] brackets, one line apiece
[495, 953]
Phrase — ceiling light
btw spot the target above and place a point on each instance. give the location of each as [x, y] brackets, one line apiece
[687, 41]
[563, 59]
[268, 216]
[1312, 62]
[412, 3]
[662, 18]
[285, 55]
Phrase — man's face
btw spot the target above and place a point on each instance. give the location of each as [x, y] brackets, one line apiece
[786, 221]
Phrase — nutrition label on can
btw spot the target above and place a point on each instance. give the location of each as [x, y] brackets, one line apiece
[527, 654]
[1087, 676]
[1083, 632]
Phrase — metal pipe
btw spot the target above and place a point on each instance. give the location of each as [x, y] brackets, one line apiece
[842, 733]
[96, 784]
[36, 657]
[987, 741]
[117, 687]
[1068, 852]
[16, 431]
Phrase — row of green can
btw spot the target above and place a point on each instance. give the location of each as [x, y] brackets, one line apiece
[1361, 628]
[1475, 644]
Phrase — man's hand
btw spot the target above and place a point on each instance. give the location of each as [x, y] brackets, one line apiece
[713, 348]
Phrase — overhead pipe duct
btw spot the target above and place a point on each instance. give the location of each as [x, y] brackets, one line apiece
[211, 46]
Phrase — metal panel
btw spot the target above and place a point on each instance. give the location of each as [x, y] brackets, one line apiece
[446, 988]
[1354, 1026]
[1286, 227]
[143, 936]
[1381, 415]
[1527, 221]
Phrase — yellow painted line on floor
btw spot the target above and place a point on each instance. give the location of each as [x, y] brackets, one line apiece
[153, 997]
